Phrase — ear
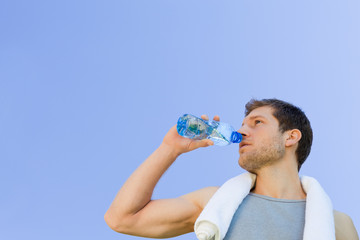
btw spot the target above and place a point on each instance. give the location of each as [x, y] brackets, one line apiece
[292, 137]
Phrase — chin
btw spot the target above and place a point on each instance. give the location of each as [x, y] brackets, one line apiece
[248, 167]
[243, 165]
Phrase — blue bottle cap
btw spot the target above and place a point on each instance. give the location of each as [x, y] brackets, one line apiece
[236, 137]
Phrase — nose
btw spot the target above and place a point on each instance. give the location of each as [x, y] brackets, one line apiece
[243, 131]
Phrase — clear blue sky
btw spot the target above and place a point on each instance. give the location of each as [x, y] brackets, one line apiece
[88, 90]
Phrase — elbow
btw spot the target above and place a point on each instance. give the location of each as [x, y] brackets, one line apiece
[116, 223]
[112, 222]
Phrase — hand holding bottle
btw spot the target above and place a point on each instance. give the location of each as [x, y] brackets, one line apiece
[180, 144]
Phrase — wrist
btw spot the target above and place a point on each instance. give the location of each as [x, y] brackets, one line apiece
[169, 150]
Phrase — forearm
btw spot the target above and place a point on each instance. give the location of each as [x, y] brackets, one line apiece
[138, 189]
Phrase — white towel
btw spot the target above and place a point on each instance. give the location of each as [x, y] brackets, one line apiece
[215, 219]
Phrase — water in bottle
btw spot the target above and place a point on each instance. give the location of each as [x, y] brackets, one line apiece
[220, 133]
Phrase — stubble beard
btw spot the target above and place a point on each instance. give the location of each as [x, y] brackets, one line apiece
[266, 155]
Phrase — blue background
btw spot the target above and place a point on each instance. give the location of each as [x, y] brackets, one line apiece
[88, 89]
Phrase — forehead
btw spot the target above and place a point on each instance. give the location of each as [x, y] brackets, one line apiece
[264, 112]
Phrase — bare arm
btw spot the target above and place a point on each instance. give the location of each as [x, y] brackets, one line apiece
[344, 227]
[134, 212]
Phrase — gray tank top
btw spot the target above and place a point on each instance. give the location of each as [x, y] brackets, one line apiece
[267, 218]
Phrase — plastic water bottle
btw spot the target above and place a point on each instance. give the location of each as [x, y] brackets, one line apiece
[220, 133]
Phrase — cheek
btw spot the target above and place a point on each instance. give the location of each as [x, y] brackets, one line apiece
[264, 142]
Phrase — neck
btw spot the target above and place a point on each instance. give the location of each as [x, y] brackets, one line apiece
[279, 181]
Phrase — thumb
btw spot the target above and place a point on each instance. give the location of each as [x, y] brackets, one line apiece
[204, 143]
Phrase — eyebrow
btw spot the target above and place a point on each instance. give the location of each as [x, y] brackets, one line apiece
[256, 116]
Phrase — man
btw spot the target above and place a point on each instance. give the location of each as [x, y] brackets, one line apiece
[277, 139]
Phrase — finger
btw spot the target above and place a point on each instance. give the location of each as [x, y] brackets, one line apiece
[216, 118]
[205, 117]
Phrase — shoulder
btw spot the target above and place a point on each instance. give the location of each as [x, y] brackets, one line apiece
[201, 197]
[344, 227]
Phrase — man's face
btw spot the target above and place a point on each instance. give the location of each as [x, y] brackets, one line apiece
[262, 143]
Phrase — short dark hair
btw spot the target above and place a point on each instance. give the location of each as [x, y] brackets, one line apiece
[289, 117]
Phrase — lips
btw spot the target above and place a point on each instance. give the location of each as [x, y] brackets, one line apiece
[243, 144]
